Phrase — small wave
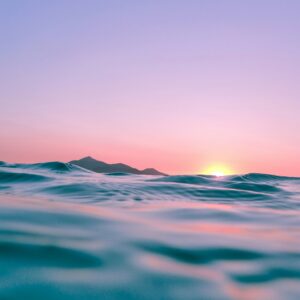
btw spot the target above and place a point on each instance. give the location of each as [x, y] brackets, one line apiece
[261, 177]
[89, 191]
[55, 166]
[50, 255]
[256, 187]
[76, 189]
[187, 179]
[268, 275]
[203, 193]
[261, 183]
[118, 174]
[12, 177]
[201, 256]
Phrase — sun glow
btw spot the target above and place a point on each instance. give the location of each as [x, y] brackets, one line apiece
[217, 170]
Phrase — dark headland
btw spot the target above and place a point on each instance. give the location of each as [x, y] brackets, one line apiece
[102, 167]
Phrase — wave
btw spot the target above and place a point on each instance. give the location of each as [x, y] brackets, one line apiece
[256, 187]
[86, 190]
[260, 177]
[66, 180]
[118, 174]
[54, 166]
[261, 183]
[204, 179]
[12, 177]
[187, 179]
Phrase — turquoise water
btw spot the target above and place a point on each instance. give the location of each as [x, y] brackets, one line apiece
[67, 233]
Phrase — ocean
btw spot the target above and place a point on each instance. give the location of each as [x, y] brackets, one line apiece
[68, 233]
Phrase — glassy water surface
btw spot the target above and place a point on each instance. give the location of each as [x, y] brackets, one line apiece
[67, 233]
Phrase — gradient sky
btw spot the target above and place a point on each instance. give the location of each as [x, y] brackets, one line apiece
[175, 85]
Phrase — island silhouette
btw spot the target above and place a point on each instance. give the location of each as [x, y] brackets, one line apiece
[94, 165]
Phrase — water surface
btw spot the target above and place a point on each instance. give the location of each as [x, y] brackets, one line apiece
[67, 233]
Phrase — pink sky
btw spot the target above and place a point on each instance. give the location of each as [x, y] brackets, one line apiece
[177, 85]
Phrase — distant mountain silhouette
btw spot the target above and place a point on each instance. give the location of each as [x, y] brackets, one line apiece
[102, 167]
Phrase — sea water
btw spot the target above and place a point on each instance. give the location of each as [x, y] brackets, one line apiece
[67, 233]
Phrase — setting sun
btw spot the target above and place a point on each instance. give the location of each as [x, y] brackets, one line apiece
[217, 170]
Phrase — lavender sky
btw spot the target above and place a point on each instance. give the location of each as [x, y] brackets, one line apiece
[176, 85]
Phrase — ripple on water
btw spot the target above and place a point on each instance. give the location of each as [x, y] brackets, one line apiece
[67, 233]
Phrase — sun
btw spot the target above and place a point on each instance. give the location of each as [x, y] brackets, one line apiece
[218, 173]
[217, 170]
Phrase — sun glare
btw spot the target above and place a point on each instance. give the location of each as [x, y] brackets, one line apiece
[217, 170]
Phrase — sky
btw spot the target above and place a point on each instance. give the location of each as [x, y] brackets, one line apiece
[179, 85]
